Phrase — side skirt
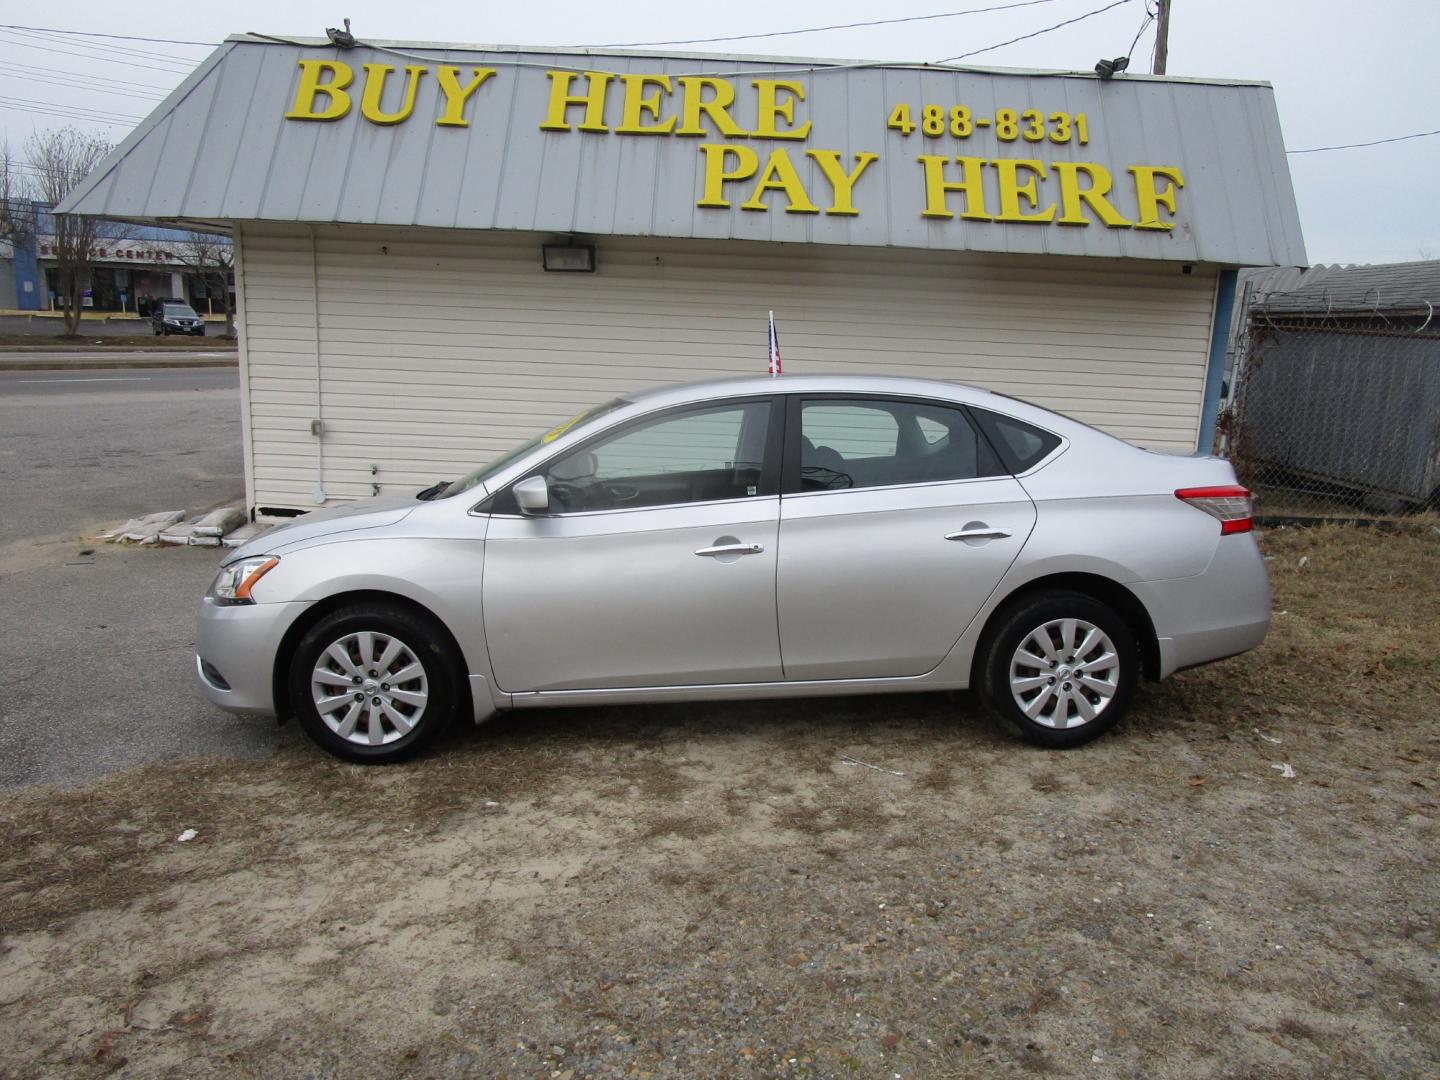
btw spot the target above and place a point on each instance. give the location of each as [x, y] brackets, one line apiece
[631, 695]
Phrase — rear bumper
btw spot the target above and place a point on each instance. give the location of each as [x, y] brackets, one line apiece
[235, 653]
[1223, 611]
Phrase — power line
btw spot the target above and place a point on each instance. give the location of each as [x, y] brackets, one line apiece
[1375, 142]
[180, 69]
[67, 112]
[1037, 33]
[67, 116]
[104, 51]
[1149, 17]
[117, 37]
[816, 29]
[58, 105]
[88, 77]
[110, 91]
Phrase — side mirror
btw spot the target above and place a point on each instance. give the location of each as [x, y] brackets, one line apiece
[532, 495]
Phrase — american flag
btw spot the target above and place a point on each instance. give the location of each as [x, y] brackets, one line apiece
[774, 347]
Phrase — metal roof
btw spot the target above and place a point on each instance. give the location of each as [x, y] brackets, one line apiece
[220, 148]
[1381, 289]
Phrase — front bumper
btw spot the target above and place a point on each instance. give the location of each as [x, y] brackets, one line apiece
[235, 652]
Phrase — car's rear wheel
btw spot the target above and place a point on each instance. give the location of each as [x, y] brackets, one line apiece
[373, 683]
[1059, 669]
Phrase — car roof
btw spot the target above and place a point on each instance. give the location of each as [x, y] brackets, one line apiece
[893, 385]
[652, 399]
[736, 386]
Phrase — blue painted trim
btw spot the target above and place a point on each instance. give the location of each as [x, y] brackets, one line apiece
[28, 269]
[1215, 368]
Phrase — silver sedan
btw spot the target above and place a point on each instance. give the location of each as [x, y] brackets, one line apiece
[752, 538]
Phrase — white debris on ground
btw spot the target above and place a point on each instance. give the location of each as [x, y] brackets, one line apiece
[145, 529]
[205, 530]
[228, 525]
[244, 534]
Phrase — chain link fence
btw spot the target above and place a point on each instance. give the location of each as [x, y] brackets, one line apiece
[1336, 417]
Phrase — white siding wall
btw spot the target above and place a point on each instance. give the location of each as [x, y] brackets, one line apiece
[441, 348]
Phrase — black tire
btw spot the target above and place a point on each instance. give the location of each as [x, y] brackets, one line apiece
[422, 639]
[1015, 625]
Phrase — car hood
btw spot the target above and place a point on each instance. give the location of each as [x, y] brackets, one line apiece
[321, 524]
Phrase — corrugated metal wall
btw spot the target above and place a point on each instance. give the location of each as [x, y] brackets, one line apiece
[441, 348]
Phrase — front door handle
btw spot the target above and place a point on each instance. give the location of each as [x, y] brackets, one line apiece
[981, 533]
[732, 549]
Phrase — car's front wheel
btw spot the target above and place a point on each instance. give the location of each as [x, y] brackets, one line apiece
[373, 683]
[1059, 669]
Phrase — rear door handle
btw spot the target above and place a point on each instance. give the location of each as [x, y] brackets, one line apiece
[732, 549]
[983, 533]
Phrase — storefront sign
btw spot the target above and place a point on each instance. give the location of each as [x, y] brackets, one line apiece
[1028, 187]
[123, 251]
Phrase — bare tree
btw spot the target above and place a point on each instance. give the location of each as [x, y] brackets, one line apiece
[17, 212]
[212, 258]
[57, 161]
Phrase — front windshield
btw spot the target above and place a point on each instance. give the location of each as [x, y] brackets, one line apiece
[182, 310]
[490, 468]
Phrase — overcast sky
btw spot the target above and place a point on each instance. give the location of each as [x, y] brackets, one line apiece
[1343, 71]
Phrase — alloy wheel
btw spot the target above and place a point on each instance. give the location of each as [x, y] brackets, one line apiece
[369, 688]
[1064, 673]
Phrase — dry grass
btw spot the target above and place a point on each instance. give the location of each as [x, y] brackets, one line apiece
[713, 890]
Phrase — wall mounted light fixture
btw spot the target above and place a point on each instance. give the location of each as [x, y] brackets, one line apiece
[568, 258]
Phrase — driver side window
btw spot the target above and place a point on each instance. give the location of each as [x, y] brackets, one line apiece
[698, 455]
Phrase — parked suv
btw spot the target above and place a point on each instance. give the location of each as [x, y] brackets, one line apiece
[176, 317]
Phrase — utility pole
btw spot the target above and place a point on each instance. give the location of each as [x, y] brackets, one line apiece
[1162, 36]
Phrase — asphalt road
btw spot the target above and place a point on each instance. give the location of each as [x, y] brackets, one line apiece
[96, 670]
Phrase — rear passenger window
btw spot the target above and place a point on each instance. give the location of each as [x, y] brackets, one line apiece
[876, 443]
[1022, 445]
[854, 431]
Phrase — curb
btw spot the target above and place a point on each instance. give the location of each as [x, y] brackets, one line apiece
[116, 365]
[218, 350]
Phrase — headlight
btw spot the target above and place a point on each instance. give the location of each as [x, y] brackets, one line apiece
[234, 582]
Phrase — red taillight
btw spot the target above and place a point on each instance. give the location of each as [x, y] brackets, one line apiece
[1229, 505]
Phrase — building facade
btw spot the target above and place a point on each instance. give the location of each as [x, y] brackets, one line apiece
[132, 265]
[443, 249]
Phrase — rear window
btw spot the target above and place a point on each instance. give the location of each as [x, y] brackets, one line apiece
[1020, 445]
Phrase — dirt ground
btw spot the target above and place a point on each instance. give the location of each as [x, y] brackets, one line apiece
[727, 891]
